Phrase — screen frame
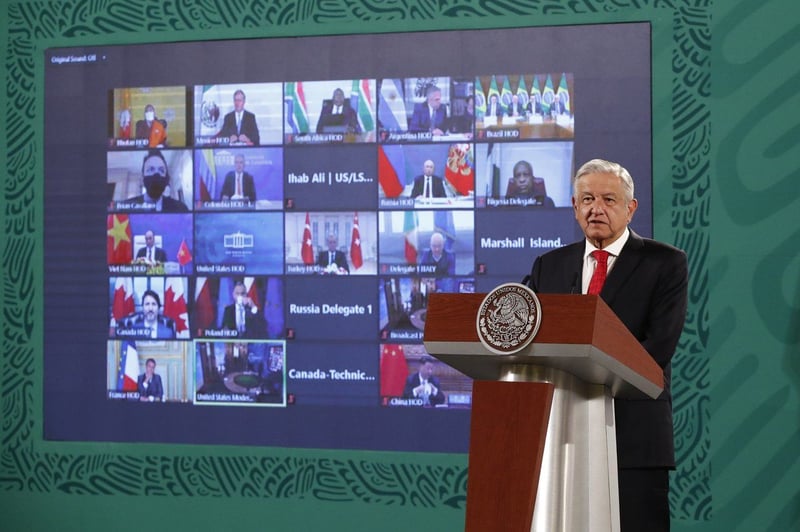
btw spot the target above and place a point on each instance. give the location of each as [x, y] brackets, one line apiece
[568, 45]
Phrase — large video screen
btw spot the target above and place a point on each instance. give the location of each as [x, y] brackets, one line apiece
[277, 213]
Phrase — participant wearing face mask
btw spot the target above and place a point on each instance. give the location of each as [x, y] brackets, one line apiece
[151, 128]
[155, 179]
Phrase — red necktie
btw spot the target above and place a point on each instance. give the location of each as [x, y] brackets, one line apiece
[599, 275]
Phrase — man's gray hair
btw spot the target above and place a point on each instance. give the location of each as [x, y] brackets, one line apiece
[600, 166]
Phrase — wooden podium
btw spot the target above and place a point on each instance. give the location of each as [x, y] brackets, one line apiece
[542, 441]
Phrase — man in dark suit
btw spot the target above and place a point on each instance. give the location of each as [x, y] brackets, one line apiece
[428, 185]
[493, 108]
[557, 107]
[243, 315]
[150, 251]
[239, 126]
[271, 371]
[534, 106]
[646, 286]
[524, 185]
[237, 355]
[444, 261]
[149, 383]
[337, 116]
[156, 179]
[149, 323]
[424, 385]
[515, 108]
[332, 255]
[462, 123]
[238, 184]
[429, 115]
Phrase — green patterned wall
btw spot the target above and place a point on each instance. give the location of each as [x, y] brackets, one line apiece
[754, 266]
[736, 372]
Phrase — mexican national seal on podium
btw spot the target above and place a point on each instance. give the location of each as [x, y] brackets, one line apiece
[509, 318]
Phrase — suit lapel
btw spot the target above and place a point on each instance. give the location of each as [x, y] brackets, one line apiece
[573, 274]
[628, 260]
[570, 271]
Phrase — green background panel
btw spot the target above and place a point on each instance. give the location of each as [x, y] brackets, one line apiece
[726, 181]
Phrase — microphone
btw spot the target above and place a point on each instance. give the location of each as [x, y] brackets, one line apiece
[574, 288]
[525, 280]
